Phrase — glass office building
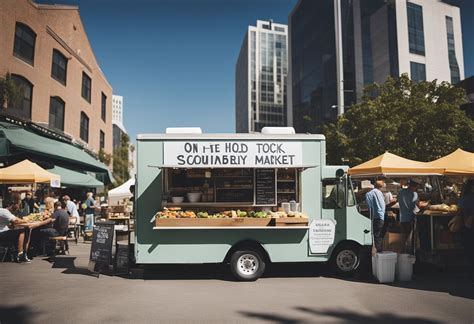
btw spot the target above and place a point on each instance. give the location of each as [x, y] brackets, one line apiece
[261, 77]
[377, 38]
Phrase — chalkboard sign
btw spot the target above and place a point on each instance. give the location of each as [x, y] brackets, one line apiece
[101, 248]
[122, 258]
[265, 187]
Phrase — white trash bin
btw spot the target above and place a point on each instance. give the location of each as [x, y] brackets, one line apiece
[385, 263]
[405, 264]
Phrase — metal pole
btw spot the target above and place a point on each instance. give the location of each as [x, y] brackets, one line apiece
[339, 58]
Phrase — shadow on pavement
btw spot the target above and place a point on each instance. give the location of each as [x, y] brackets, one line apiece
[343, 316]
[16, 314]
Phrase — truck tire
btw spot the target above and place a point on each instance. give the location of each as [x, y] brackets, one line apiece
[345, 259]
[247, 264]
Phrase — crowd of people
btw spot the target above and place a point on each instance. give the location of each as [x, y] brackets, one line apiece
[409, 205]
[17, 231]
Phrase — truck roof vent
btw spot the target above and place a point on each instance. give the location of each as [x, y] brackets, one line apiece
[278, 130]
[183, 130]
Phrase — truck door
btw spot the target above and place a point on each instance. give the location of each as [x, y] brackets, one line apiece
[334, 204]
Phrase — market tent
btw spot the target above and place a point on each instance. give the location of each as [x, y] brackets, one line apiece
[26, 172]
[389, 164]
[121, 192]
[459, 162]
[71, 178]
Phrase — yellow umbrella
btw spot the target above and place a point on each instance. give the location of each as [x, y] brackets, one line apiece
[459, 162]
[27, 172]
[389, 164]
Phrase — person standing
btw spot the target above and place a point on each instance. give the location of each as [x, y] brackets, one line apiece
[90, 209]
[71, 208]
[376, 203]
[409, 204]
[466, 210]
[28, 204]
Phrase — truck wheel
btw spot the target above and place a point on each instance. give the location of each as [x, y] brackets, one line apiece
[247, 265]
[345, 259]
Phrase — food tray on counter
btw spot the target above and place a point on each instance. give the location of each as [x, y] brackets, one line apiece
[291, 221]
[205, 222]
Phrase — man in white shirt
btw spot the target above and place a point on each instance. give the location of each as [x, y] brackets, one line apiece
[6, 234]
[71, 208]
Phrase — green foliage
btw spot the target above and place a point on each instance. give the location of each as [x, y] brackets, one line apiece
[120, 161]
[416, 120]
[10, 92]
[105, 157]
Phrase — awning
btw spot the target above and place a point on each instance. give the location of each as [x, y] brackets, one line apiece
[120, 192]
[27, 172]
[459, 162]
[25, 140]
[389, 164]
[71, 178]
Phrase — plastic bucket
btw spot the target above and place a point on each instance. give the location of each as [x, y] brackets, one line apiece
[405, 266]
[385, 266]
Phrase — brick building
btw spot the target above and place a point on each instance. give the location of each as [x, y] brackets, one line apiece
[46, 50]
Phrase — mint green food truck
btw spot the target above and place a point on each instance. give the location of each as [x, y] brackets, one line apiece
[246, 200]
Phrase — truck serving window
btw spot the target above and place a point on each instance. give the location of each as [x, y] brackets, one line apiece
[334, 194]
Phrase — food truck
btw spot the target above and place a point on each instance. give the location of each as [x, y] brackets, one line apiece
[246, 200]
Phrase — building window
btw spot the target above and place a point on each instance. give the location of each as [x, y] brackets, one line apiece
[417, 71]
[102, 140]
[416, 36]
[453, 63]
[59, 67]
[103, 106]
[84, 127]
[24, 46]
[56, 113]
[86, 87]
[22, 107]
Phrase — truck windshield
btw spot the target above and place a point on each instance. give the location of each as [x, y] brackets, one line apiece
[351, 201]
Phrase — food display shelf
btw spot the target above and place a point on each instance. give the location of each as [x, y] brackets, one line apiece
[232, 227]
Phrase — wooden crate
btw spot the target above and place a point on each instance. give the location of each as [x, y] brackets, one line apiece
[291, 221]
[205, 222]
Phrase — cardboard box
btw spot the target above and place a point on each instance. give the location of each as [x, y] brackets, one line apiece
[291, 221]
[204, 222]
[394, 242]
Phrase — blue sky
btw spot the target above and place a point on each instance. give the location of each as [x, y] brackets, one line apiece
[173, 61]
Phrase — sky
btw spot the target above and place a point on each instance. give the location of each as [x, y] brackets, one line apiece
[173, 61]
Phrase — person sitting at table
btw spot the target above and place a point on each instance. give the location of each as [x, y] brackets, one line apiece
[60, 221]
[13, 236]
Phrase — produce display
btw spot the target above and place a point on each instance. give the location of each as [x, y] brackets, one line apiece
[36, 217]
[444, 208]
[176, 212]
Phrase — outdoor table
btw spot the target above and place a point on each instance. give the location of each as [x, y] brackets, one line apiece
[431, 214]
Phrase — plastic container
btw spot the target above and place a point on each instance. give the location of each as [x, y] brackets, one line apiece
[385, 263]
[177, 200]
[405, 264]
[193, 196]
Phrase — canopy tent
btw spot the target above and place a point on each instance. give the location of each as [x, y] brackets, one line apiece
[27, 172]
[121, 192]
[389, 164]
[71, 178]
[459, 162]
[24, 140]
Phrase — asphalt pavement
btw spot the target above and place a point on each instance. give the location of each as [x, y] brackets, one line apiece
[66, 292]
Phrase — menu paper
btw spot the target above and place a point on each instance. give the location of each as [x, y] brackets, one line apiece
[235, 154]
[321, 235]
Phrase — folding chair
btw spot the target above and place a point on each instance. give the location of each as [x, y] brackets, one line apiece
[63, 244]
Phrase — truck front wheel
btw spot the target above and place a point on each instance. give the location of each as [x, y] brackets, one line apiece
[345, 259]
[247, 265]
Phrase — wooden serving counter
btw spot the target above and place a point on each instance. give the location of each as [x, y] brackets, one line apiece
[231, 222]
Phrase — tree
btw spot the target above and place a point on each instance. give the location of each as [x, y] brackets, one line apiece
[418, 120]
[10, 92]
[120, 160]
[104, 157]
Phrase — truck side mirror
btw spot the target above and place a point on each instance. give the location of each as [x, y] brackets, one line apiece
[340, 173]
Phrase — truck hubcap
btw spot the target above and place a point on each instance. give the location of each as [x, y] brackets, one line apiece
[247, 264]
[346, 260]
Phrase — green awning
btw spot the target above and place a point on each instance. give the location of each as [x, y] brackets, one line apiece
[26, 140]
[71, 178]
